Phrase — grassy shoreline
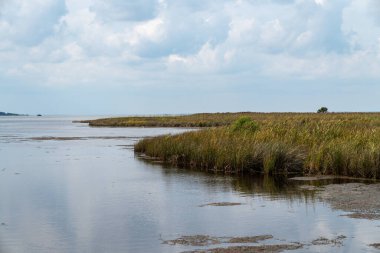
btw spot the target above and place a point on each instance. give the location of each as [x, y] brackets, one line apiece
[193, 120]
[210, 119]
[342, 144]
[345, 144]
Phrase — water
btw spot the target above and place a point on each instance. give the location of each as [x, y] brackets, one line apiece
[91, 194]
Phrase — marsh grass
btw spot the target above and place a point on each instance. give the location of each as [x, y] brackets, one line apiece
[193, 120]
[330, 144]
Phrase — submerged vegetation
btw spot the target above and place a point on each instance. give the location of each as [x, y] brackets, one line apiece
[346, 144]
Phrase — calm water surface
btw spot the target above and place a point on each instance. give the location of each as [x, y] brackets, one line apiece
[91, 194]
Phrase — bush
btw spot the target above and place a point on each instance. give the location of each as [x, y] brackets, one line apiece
[245, 124]
[322, 110]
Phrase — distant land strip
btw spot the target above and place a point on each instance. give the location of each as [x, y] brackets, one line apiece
[207, 119]
[342, 144]
[11, 114]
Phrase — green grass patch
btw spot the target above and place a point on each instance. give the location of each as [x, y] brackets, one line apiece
[346, 144]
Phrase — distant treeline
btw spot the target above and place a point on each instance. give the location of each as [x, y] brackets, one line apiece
[9, 114]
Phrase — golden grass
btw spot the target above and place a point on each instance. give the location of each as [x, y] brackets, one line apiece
[346, 144]
[193, 120]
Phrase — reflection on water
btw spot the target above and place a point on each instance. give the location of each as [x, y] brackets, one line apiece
[85, 191]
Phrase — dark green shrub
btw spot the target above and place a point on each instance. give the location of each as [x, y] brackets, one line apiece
[245, 124]
[322, 110]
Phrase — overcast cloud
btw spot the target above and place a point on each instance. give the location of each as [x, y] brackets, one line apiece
[235, 45]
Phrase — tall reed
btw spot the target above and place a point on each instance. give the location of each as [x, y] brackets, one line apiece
[338, 144]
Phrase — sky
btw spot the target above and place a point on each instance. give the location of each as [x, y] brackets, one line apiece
[117, 57]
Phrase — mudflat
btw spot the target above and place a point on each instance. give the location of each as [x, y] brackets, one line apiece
[361, 200]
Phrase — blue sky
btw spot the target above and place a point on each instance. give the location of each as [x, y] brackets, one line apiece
[182, 56]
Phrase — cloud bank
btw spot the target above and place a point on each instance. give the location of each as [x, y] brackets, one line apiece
[64, 43]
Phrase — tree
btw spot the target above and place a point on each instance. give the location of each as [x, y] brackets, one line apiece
[322, 110]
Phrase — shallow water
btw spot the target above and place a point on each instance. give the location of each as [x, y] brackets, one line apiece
[92, 194]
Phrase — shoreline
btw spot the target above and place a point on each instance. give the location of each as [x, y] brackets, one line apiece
[341, 144]
[204, 120]
[297, 177]
[346, 197]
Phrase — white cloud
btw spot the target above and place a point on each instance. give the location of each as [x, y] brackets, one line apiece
[241, 30]
[152, 30]
[121, 10]
[321, 2]
[30, 22]
[206, 60]
[87, 42]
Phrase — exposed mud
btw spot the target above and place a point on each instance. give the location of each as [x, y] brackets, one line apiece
[375, 245]
[250, 239]
[245, 244]
[362, 200]
[250, 249]
[338, 241]
[206, 240]
[194, 240]
[368, 216]
[222, 204]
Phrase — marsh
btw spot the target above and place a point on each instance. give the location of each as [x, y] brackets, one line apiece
[68, 187]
